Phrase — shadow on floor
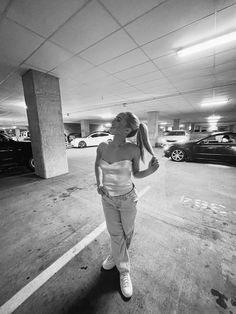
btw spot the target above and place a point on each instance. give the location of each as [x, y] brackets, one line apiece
[17, 176]
[107, 282]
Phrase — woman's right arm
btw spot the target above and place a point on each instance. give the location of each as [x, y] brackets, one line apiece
[98, 171]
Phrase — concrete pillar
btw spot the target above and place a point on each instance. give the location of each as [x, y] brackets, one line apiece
[234, 128]
[192, 126]
[84, 128]
[152, 120]
[187, 126]
[176, 124]
[42, 97]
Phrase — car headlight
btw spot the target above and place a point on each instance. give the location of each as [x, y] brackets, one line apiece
[166, 147]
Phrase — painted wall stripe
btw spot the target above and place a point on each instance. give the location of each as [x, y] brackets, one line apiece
[21, 296]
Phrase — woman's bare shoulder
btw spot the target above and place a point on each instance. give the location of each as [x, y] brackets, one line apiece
[133, 148]
[102, 146]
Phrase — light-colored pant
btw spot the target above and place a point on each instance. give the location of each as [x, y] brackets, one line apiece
[120, 212]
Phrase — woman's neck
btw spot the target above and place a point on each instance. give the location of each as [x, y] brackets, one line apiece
[118, 141]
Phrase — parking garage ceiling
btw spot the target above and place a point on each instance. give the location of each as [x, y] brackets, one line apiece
[116, 55]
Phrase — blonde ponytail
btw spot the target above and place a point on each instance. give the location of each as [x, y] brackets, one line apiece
[141, 130]
[143, 140]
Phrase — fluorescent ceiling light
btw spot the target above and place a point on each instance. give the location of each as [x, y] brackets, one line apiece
[221, 40]
[106, 116]
[213, 119]
[214, 102]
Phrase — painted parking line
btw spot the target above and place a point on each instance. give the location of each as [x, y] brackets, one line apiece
[21, 296]
[142, 192]
[218, 166]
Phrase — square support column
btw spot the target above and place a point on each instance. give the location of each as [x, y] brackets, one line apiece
[84, 128]
[152, 120]
[42, 97]
[176, 124]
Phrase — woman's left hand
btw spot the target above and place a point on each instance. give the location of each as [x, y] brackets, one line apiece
[153, 164]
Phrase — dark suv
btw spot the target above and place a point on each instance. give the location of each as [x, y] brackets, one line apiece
[14, 153]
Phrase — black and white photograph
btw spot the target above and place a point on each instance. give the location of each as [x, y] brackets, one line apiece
[118, 156]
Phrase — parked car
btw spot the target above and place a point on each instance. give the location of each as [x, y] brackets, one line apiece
[174, 136]
[24, 137]
[215, 147]
[72, 136]
[94, 139]
[15, 153]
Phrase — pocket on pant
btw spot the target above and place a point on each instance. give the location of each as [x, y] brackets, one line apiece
[134, 196]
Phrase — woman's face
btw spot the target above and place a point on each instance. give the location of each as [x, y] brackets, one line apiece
[119, 125]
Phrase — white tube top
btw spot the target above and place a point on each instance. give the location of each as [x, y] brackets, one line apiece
[116, 177]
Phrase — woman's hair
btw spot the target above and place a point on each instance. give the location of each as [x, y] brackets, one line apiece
[142, 133]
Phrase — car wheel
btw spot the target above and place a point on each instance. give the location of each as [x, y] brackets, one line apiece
[82, 144]
[178, 155]
[109, 141]
[30, 163]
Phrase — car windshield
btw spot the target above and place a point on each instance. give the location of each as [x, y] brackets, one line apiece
[6, 137]
[218, 138]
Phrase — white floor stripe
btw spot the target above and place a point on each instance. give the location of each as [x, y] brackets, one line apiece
[142, 192]
[12, 304]
[21, 296]
[218, 166]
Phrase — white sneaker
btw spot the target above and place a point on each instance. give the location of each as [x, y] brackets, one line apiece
[126, 285]
[109, 263]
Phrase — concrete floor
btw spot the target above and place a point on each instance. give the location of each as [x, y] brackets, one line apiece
[183, 252]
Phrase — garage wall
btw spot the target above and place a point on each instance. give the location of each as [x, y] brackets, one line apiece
[72, 128]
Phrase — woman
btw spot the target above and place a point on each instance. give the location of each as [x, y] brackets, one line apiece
[114, 164]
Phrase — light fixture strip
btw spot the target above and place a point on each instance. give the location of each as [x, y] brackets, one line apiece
[208, 44]
[214, 103]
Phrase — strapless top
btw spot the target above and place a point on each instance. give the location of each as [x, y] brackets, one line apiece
[116, 177]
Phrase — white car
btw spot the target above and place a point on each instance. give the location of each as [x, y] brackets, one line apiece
[174, 136]
[94, 139]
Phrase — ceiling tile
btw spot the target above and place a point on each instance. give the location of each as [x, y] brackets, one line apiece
[223, 4]
[176, 101]
[112, 46]
[226, 56]
[125, 61]
[5, 69]
[187, 36]
[91, 75]
[48, 56]
[169, 16]
[118, 86]
[10, 33]
[226, 77]
[125, 11]
[86, 28]
[198, 64]
[125, 90]
[182, 76]
[225, 20]
[195, 84]
[145, 78]
[154, 83]
[43, 17]
[225, 67]
[174, 61]
[72, 68]
[136, 71]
